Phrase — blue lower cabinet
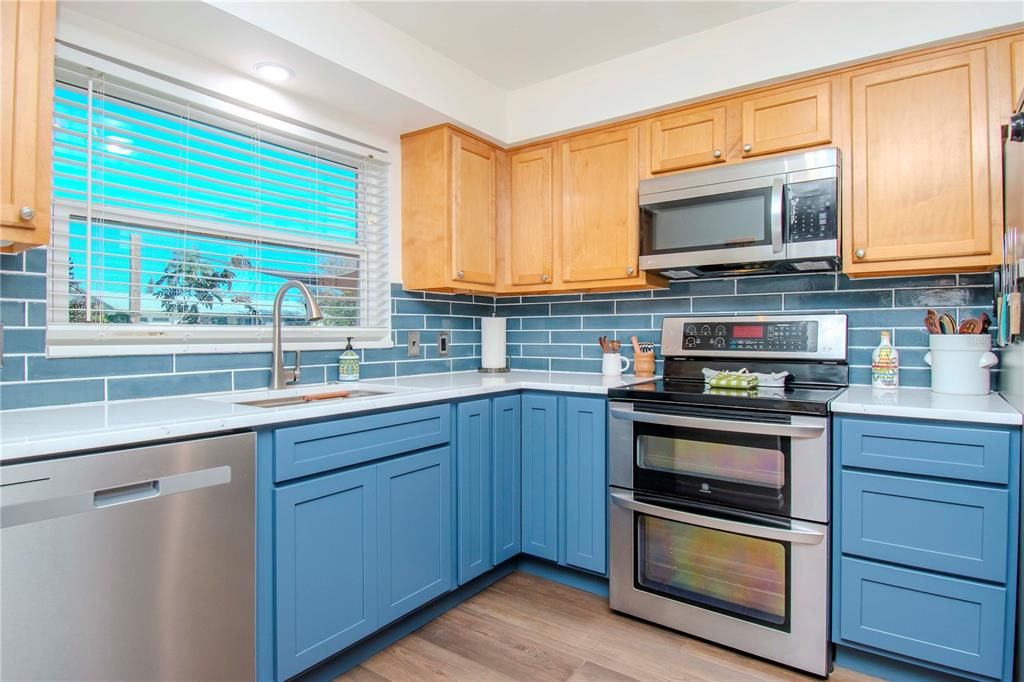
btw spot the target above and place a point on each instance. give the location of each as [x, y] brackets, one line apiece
[474, 456]
[414, 522]
[586, 525]
[505, 480]
[326, 572]
[947, 621]
[540, 476]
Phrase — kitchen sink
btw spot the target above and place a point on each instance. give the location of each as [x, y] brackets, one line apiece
[309, 398]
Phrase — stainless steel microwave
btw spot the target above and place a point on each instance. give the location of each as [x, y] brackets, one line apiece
[773, 215]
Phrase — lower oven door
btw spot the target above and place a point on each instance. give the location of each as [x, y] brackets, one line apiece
[747, 581]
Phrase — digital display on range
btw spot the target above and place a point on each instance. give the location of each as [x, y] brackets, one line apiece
[800, 336]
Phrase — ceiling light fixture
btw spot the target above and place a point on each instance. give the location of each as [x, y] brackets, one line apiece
[273, 72]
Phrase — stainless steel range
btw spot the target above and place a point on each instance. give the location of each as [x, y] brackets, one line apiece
[720, 498]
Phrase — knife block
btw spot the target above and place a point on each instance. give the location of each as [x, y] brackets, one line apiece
[643, 364]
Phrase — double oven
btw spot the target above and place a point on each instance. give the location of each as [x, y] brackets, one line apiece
[719, 520]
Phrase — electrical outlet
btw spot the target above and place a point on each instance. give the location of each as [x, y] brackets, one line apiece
[414, 344]
[442, 344]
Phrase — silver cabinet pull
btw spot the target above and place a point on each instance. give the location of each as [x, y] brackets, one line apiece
[763, 428]
[27, 213]
[460, 274]
[545, 278]
[859, 253]
[630, 271]
[717, 153]
[747, 147]
[797, 532]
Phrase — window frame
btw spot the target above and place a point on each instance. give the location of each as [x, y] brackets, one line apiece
[77, 339]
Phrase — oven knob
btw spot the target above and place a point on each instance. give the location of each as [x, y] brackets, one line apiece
[720, 342]
[705, 330]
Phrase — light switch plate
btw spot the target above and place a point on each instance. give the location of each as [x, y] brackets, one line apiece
[414, 344]
[442, 344]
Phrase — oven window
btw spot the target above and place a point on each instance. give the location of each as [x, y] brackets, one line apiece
[736, 574]
[732, 219]
[758, 464]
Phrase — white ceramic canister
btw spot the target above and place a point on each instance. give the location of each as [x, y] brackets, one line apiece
[961, 363]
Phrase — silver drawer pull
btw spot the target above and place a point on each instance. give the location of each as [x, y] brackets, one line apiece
[762, 428]
[798, 533]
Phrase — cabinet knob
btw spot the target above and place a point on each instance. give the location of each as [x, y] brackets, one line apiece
[630, 271]
[27, 213]
[717, 153]
[545, 278]
[460, 274]
[747, 147]
[859, 253]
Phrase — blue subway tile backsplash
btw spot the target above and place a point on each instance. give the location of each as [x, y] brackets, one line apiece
[547, 332]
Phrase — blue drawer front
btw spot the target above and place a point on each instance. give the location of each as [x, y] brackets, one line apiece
[949, 527]
[963, 452]
[312, 448]
[947, 621]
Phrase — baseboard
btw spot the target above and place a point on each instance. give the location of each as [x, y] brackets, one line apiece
[582, 580]
[888, 668]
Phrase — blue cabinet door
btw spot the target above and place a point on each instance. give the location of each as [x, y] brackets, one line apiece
[414, 531]
[506, 463]
[325, 567]
[586, 488]
[540, 476]
[473, 444]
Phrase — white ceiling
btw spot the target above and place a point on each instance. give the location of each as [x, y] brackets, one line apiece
[515, 44]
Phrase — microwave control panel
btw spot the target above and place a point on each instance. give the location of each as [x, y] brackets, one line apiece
[773, 336]
[812, 210]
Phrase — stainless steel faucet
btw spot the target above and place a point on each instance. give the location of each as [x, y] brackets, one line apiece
[281, 376]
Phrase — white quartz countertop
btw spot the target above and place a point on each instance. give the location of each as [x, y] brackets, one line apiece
[922, 403]
[44, 431]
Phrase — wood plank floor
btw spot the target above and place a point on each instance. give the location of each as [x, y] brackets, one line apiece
[528, 628]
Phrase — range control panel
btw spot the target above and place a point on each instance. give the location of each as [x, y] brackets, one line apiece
[820, 337]
[798, 337]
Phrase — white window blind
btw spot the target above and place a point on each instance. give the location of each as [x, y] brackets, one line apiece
[175, 224]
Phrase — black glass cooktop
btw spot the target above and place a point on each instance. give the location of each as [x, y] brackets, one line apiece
[791, 399]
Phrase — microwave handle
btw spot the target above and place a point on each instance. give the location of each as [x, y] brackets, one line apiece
[762, 428]
[778, 185]
[796, 533]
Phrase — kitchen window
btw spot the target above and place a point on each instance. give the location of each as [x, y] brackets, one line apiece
[175, 224]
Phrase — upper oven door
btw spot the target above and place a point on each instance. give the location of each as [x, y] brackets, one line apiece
[774, 465]
[729, 222]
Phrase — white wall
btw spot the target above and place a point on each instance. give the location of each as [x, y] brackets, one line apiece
[772, 45]
[105, 39]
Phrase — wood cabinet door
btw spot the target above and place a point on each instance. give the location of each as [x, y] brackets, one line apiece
[530, 243]
[1016, 69]
[688, 139]
[26, 96]
[600, 205]
[919, 164]
[790, 119]
[473, 211]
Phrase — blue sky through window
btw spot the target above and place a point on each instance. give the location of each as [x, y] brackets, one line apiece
[210, 221]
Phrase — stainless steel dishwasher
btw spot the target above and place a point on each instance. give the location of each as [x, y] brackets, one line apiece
[130, 565]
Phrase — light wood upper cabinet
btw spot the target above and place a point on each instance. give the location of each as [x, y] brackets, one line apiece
[687, 139]
[473, 210]
[918, 166]
[529, 245]
[789, 119]
[449, 211]
[26, 103]
[600, 205]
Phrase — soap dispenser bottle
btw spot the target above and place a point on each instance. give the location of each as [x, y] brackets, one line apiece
[348, 363]
[885, 364]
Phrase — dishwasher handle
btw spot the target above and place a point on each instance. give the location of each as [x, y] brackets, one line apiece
[43, 508]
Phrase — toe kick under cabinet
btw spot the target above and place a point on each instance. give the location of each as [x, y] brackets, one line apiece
[925, 550]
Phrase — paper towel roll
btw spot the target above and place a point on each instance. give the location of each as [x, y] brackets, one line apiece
[493, 339]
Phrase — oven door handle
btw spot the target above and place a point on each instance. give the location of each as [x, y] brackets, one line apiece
[763, 428]
[798, 533]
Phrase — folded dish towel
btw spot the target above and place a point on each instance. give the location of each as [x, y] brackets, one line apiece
[744, 379]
